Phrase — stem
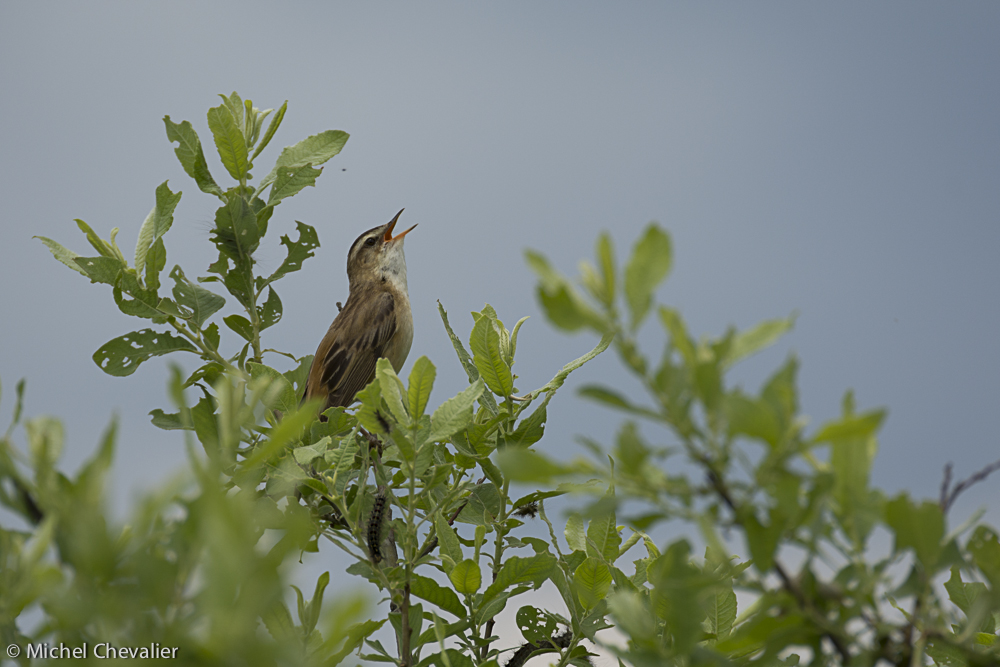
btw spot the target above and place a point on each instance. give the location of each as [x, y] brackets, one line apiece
[497, 556]
[786, 581]
[206, 351]
[404, 610]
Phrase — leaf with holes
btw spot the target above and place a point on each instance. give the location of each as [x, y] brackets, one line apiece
[121, 356]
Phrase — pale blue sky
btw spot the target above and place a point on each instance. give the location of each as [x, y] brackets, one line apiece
[838, 159]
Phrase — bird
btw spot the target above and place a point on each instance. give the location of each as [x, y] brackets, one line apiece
[375, 322]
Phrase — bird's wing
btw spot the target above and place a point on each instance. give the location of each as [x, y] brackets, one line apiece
[345, 361]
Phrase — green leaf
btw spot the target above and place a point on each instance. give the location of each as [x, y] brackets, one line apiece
[615, 400]
[757, 338]
[592, 581]
[156, 260]
[678, 592]
[674, 325]
[229, 141]
[270, 312]
[752, 418]
[486, 398]
[528, 466]
[201, 303]
[985, 549]
[100, 269]
[964, 595]
[651, 259]
[606, 260]
[167, 421]
[576, 536]
[851, 427]
[342, 467]
[450, 546]
[121, 356]
[445, 598]
[240, 325]
[104, 248]
[488, 357]
[290, 428]
[369, 414]
[516, 570]
[191, 156]
[535, 625]
[762, 541]
[633, 616]
[289, 181]
[513, 338]
[271, 129]
[236, 223]
[454, 414]
[722, 613]
[560, 377]
[562, 304]
[420, 385]
[392, 390]
[298, 251]
[64, 255]
[482, 505]
[314, 151]
[920, 528]
[603, 539]
[530, 429]
[156, 224]
[143, 302]
[280, 388]
[466, 577]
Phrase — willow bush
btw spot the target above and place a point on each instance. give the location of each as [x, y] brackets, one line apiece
[421, 497]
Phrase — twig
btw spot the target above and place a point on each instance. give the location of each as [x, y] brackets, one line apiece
[786, 581]
[948, 498]
[451, 521]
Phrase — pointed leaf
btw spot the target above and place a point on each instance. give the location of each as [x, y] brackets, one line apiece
[201, 302]
[445, 598]
[420, 385]
[488, 357]
[470, 368]
[454, 414]
[156, 224]
[298, 250]
[271, 129]
[651, 259]
[314, 150]
[121, 356]
[64, 255]
[191, 156]
[229, 141]
[466, 577]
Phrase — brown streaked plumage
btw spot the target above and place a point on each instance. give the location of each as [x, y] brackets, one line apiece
[375, 322]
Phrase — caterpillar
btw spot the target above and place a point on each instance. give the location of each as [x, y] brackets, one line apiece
[383, 422]
[375, 526]
[557, 641]
[527, 510]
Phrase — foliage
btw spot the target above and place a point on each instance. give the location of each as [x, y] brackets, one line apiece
[421, 497]
[827, 587]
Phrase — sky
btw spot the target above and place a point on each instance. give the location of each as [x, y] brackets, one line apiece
[836, 160]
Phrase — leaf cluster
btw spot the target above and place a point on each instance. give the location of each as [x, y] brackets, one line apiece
[798, 504]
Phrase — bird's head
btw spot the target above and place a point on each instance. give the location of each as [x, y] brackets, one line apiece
[378, 255]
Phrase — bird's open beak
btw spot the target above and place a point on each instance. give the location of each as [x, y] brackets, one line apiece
[388, 230]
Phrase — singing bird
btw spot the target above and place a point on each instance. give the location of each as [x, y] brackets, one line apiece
[375, 322]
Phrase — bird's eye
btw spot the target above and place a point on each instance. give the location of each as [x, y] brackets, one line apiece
[370, 241]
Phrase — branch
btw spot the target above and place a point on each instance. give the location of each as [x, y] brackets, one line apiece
[786, 581]
[948, 497]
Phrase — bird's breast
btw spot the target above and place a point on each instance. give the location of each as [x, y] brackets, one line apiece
[399, 346]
